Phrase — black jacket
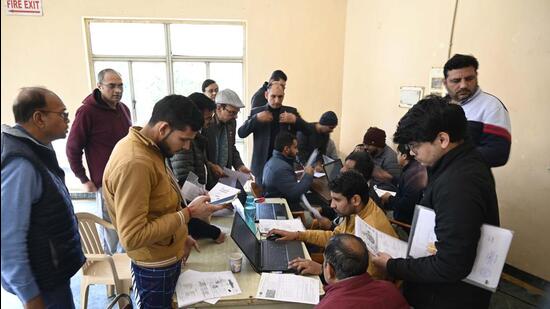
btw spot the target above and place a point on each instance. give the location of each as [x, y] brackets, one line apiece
[263, 141]
[191, 160]
[258, 99]
[461, 190]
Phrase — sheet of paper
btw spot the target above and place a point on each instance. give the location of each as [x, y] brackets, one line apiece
[239, 208]
[381, 192]
[294, 225]
[378, 241]
[288, 288]
[422, 239]
[192, 188]
[314, 212]
[212, 301]
[222, 194]
[318, 174]
[193, 286]
[327, 159]
[312, 157]
[492, 250]
[233, 177]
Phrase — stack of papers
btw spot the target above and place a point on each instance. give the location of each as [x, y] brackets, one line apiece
[378, 241]
[194, 286]
[288, 288]
[222, 194]
[293, 225]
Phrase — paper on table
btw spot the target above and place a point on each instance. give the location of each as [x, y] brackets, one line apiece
[193, 286]
[312, 157]
[381, 192]
[289, 288]
[233, 177]
[378, 241]
[293, 225]
[212, 301]
[222, 194]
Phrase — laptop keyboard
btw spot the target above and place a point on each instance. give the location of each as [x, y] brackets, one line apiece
[271, 211]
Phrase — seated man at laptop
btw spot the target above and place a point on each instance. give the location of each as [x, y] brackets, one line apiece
[361, 162]
[348, 284]
[350, 198]
[279, 178]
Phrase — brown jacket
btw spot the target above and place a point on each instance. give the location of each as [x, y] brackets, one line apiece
[144, 202]
[371, 214]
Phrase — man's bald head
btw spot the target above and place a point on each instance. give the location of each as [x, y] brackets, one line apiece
[348, 256]
[29, 100]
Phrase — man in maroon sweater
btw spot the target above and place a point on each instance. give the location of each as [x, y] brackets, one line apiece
[99, 124]
[349, 284]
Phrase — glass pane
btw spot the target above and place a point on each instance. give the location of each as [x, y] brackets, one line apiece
[127, 39]
[241, 147]
[188, 77]
[122, 68]
[207, 40]
[72, 183]
[149, 87]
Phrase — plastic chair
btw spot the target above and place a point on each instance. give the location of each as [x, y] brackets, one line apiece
[101, 268]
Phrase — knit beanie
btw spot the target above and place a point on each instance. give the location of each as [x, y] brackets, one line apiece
[329, 119]
[229, 97]
[375, 137]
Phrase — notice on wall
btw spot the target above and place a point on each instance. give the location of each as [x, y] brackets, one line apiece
[24, 7]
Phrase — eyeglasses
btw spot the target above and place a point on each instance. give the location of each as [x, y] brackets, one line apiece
[113, 86]
[64, 115]
[413, 146]
[232, 113]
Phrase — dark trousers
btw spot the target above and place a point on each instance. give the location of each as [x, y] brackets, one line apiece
[61, 297]
[200, 229]
[154, 287]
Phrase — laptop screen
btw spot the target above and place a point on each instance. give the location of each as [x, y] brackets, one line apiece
[246, 240]
[332, 169]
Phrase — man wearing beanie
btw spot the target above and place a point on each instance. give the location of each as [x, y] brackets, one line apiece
[319, 139]
[221, 150]
[386, 169]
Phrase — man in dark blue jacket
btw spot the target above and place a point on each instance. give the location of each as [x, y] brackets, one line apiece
[461, 191]
[279, 177]
[266, 122]
[41, 248]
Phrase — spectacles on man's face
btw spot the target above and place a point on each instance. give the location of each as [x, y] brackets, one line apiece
[113, 86]
[64, 115]
[232, 113]
[413, 146]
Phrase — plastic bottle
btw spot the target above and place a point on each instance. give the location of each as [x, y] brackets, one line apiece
[250, 212]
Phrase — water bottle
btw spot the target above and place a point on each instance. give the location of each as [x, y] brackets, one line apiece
[250, 213]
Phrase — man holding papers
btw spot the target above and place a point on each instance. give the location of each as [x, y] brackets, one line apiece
[461, 190]
[349, 285]
[350, 198]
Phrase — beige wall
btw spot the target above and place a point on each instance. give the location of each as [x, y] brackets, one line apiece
[395, 43]
[303, 38]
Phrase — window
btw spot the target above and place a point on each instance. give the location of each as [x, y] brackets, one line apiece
[156, 58]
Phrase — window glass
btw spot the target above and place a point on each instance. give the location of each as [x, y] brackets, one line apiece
[207, 40]
[122, 68]
[149, 86]
[230, 75]
[188, 77]
[130, 39]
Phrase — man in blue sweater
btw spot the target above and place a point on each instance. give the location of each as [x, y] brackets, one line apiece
[279, 179]
[40, 242]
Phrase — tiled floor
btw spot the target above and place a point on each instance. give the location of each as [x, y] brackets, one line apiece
[508, 295]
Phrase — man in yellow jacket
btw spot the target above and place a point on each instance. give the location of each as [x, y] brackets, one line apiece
[350, 198]
[144, 200]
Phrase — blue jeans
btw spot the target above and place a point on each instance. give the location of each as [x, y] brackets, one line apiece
[154, 287]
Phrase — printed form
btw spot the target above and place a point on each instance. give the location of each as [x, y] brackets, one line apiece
[288, 288]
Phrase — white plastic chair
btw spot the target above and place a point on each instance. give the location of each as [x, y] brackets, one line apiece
[101, 268]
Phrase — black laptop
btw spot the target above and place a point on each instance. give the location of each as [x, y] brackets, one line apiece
[274, 211]
[332, 169]
[264, 255]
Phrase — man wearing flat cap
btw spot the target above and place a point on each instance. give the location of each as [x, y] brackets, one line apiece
[221, 150]
[386, 169]
[319, 139]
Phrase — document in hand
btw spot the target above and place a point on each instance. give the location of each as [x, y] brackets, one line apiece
[313, 157]
[192, 188]
[288, 288]
[194, 286]
[233, 177]
[378, 241]
[492, 248]
[381, 192]
[294, 225]
[222, 194]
